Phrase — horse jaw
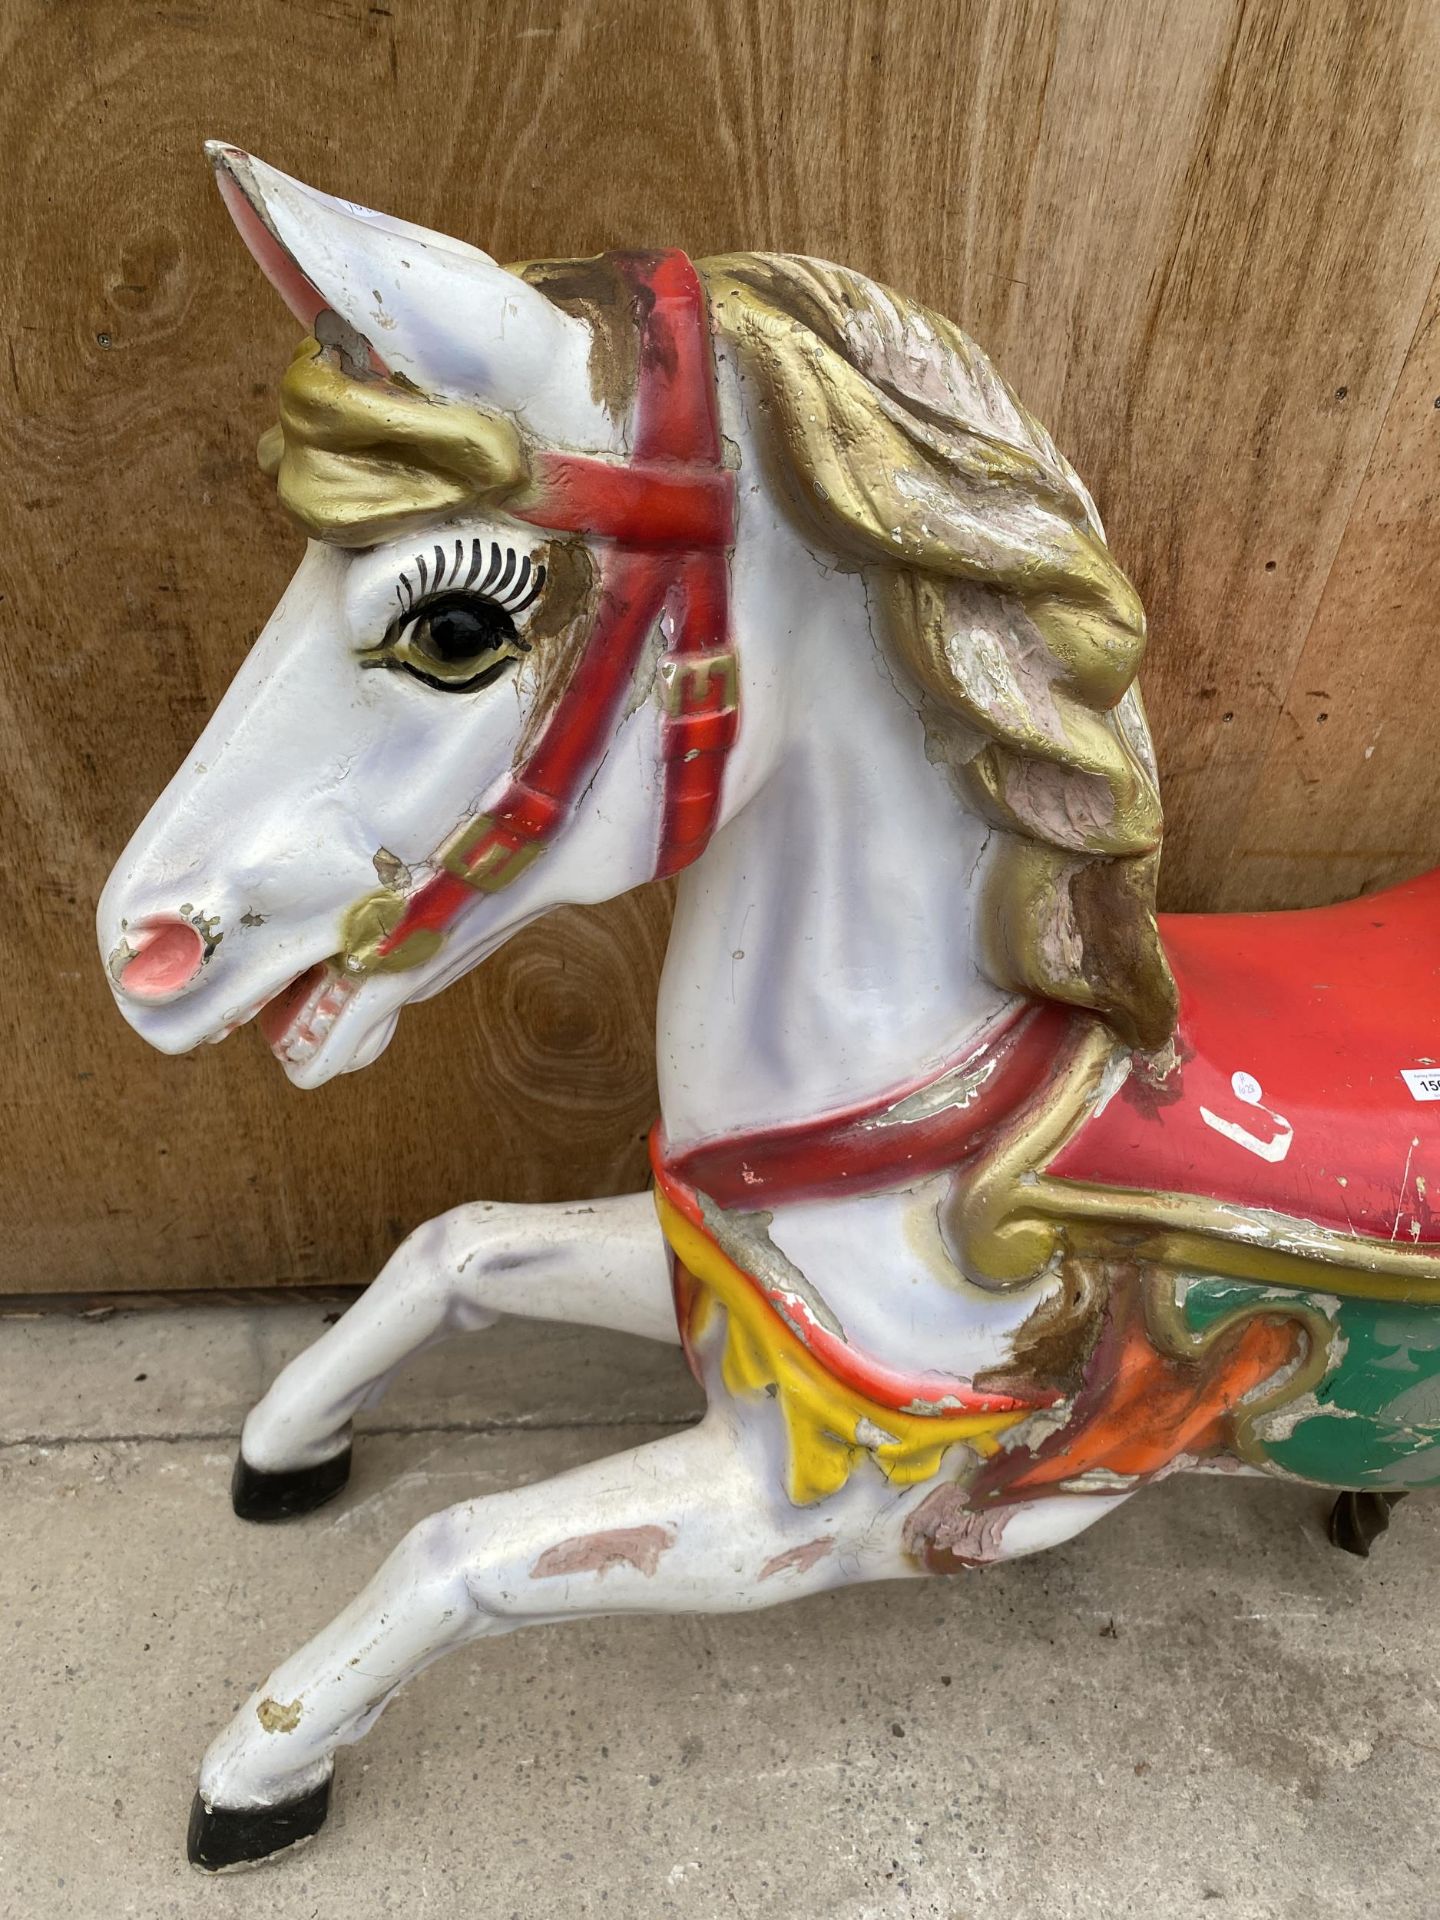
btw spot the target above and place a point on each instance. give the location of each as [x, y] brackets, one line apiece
[437, 310]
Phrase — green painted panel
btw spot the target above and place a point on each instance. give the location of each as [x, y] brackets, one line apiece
[1374, 1420]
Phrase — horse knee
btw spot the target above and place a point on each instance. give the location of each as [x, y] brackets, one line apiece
[484, 1253]
[430, 1563]
[452, 1259]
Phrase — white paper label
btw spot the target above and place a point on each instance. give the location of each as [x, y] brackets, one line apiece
[1423, 1082]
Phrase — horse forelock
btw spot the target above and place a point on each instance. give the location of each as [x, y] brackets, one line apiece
[357, 459]
[903, 441]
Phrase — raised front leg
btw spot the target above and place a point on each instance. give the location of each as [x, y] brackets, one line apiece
[692, 1522]
[600, 1263]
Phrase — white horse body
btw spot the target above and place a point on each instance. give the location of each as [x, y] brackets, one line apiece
[823, 954]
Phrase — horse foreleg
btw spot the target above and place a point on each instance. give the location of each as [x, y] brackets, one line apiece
[694, 1522]
[601, 1263]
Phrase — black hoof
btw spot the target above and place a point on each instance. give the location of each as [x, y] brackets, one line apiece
[256, 1495]
[223, 1838]
[1357, 1520]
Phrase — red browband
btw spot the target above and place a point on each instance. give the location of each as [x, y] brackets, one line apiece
[669, 512]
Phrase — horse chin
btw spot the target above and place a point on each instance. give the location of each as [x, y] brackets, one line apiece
[316, 1027]
[327, 1021]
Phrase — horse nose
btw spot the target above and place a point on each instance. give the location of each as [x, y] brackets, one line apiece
[157, 961]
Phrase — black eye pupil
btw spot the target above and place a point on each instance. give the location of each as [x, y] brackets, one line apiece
[459, 633]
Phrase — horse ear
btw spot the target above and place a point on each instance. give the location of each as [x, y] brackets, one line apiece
[392, 297]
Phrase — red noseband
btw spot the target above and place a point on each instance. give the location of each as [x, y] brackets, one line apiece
[669, 514]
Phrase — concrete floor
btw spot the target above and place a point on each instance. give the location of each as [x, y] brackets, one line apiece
[1199, 1708]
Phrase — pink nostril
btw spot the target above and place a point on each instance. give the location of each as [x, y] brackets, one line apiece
[166, 956]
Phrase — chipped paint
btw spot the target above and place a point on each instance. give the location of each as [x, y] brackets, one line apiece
[1030, 1434]
[958, 1088]
[1068, 808]
[390, 869]
[1281, 1425]
[745, 1238]
[945, 1534]
[798, 1559]
[1118, 1069]
[871, 1435]
[1103, 1480]
[638, 1548]
[277, 1716]
[120, 958]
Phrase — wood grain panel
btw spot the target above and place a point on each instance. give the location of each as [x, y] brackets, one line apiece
[1278, 327]
[1347, 796]
[1200, 236]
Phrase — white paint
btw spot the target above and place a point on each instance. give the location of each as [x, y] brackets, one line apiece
[436, 309]
[965, 1329]
[1247, 1089]
[823, 952]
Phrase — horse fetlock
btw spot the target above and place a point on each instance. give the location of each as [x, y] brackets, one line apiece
[287, 1432]
[264, 1757]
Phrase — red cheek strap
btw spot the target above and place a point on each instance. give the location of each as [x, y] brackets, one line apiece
[668, 514]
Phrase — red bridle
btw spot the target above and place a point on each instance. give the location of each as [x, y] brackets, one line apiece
[669, 515]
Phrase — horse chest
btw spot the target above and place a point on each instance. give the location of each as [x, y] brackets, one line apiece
[878, 1265]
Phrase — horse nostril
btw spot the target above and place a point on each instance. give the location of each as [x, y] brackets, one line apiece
[165, 956]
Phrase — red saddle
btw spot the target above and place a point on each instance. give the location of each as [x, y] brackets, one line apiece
[1309, 1070]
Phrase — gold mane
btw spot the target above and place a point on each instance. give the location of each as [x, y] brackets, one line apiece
[904, 445]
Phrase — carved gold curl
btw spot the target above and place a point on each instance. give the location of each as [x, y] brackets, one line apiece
[905, 445]
[357, 461]
[1170, 1333]
[1010, 1217]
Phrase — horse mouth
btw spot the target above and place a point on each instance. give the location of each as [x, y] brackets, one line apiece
[296, 1020]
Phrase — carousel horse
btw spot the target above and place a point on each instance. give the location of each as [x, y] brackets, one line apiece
[981, 1196]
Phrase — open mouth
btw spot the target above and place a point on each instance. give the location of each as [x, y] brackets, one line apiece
[296, 1020]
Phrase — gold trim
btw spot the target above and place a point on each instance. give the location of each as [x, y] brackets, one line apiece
[694, 674]
[372, 920]
[1169, 1332]
[497, 867]
[1000, 1243]
[358, 461]
[1011, 1217]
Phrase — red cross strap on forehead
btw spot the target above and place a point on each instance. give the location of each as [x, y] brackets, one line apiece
[668, 513]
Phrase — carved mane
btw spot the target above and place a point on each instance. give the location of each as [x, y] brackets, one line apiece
[913, 456]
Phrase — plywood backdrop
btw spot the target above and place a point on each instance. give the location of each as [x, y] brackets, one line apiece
[1201, 238]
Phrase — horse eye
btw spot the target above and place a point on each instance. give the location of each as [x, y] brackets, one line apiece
[459, 642]
[458, 633]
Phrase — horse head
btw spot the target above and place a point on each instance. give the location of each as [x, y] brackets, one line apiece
[564, 520]
[441, 440]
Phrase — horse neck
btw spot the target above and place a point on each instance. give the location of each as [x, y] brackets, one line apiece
[823, 949]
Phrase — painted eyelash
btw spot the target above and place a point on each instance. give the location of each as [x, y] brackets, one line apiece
[513, 587]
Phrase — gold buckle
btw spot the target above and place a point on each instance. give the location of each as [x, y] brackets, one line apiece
[497, 866]
[692, 675]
